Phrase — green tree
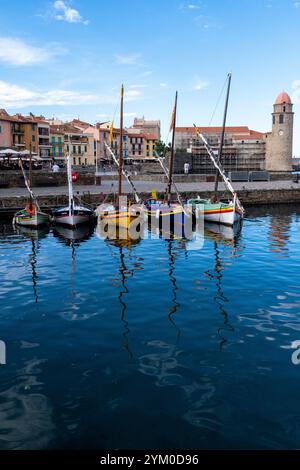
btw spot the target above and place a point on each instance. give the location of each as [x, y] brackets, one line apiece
[161, 148]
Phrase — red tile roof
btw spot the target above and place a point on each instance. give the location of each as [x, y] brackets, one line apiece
[237, 131]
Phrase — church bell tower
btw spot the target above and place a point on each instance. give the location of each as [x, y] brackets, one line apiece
[279, 143]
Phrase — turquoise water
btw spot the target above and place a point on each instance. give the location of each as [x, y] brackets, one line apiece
[155, 344]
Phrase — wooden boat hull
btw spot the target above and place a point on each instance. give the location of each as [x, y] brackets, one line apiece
[78, 216]
[158, 210]
[24, 219]
[227, 217]
[218, 213]
[120, 219]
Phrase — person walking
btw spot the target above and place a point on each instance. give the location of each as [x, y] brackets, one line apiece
[186, 168]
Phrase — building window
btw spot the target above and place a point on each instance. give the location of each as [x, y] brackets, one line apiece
[33, 138]
[60, 151]
[74, 149]
[148, 154]
[281, 119]
[34, 149]
[284, 109]
[79, 160]
[53, 152]
[85, 148]
[148, 147]
[52, 139]
[59, 140]
[79, 149]
[274, 120]
[85, 160]
[74, 161]
[0, 129]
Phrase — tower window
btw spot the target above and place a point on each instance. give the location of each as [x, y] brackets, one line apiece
[281, 119]
[284, 109]
[274, 120]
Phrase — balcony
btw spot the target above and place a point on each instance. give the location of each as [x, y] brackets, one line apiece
[18, 131]
[44, 132]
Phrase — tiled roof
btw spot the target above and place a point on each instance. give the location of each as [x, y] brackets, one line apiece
[215, 130]
[150, 136]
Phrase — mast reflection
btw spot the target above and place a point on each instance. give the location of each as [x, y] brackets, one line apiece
[228, 236]
[124, 244]
[35, 236]
[175, 305]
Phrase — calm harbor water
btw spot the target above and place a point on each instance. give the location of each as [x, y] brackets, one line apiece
[154, 344]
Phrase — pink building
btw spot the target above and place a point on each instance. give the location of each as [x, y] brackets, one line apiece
[5, 130]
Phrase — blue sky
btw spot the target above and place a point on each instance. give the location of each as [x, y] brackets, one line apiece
[68, 58]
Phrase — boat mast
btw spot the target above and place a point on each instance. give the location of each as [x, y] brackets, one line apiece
[30, 177]
[121, 142]
[223, 132]
[171, 164]
[70, 182]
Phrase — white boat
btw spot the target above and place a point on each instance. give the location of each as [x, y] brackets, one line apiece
[76, 215]
[227, 212]
[73, 214]
[223, 212]
[213, 210]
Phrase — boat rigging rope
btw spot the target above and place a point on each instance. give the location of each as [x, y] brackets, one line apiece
[125, 173]
[28, 187]
[220, 169]
[218, 102]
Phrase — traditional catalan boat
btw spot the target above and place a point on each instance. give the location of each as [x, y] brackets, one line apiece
[226, 212]
[166, 211]
[123, 213]
[31, 216]
[73, 214]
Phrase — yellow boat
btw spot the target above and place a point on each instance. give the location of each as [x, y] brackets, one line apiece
[122, 217]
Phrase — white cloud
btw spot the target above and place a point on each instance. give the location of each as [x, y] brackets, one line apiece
[296, 4]
[189, 6]
[130, 115]
[132, 95]
[163, 85]
[16, 52]
[207, 22]
[138, 86]
[200, 85]
[65, 13]
[296, 92]
[131, 59]
[15, 96]
[103, 116]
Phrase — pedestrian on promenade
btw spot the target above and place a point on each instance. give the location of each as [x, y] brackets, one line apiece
[186, 168]
[55, 168]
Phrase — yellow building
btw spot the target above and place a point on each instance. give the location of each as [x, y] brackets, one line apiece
[149, 146]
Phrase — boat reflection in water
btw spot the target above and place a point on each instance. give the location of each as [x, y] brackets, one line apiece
[34, 235]
[223, 233]
[72, 235]
[124, 245]
[228, 236]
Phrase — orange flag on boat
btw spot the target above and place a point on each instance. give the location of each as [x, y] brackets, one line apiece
[111, 132]
[173, 119]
